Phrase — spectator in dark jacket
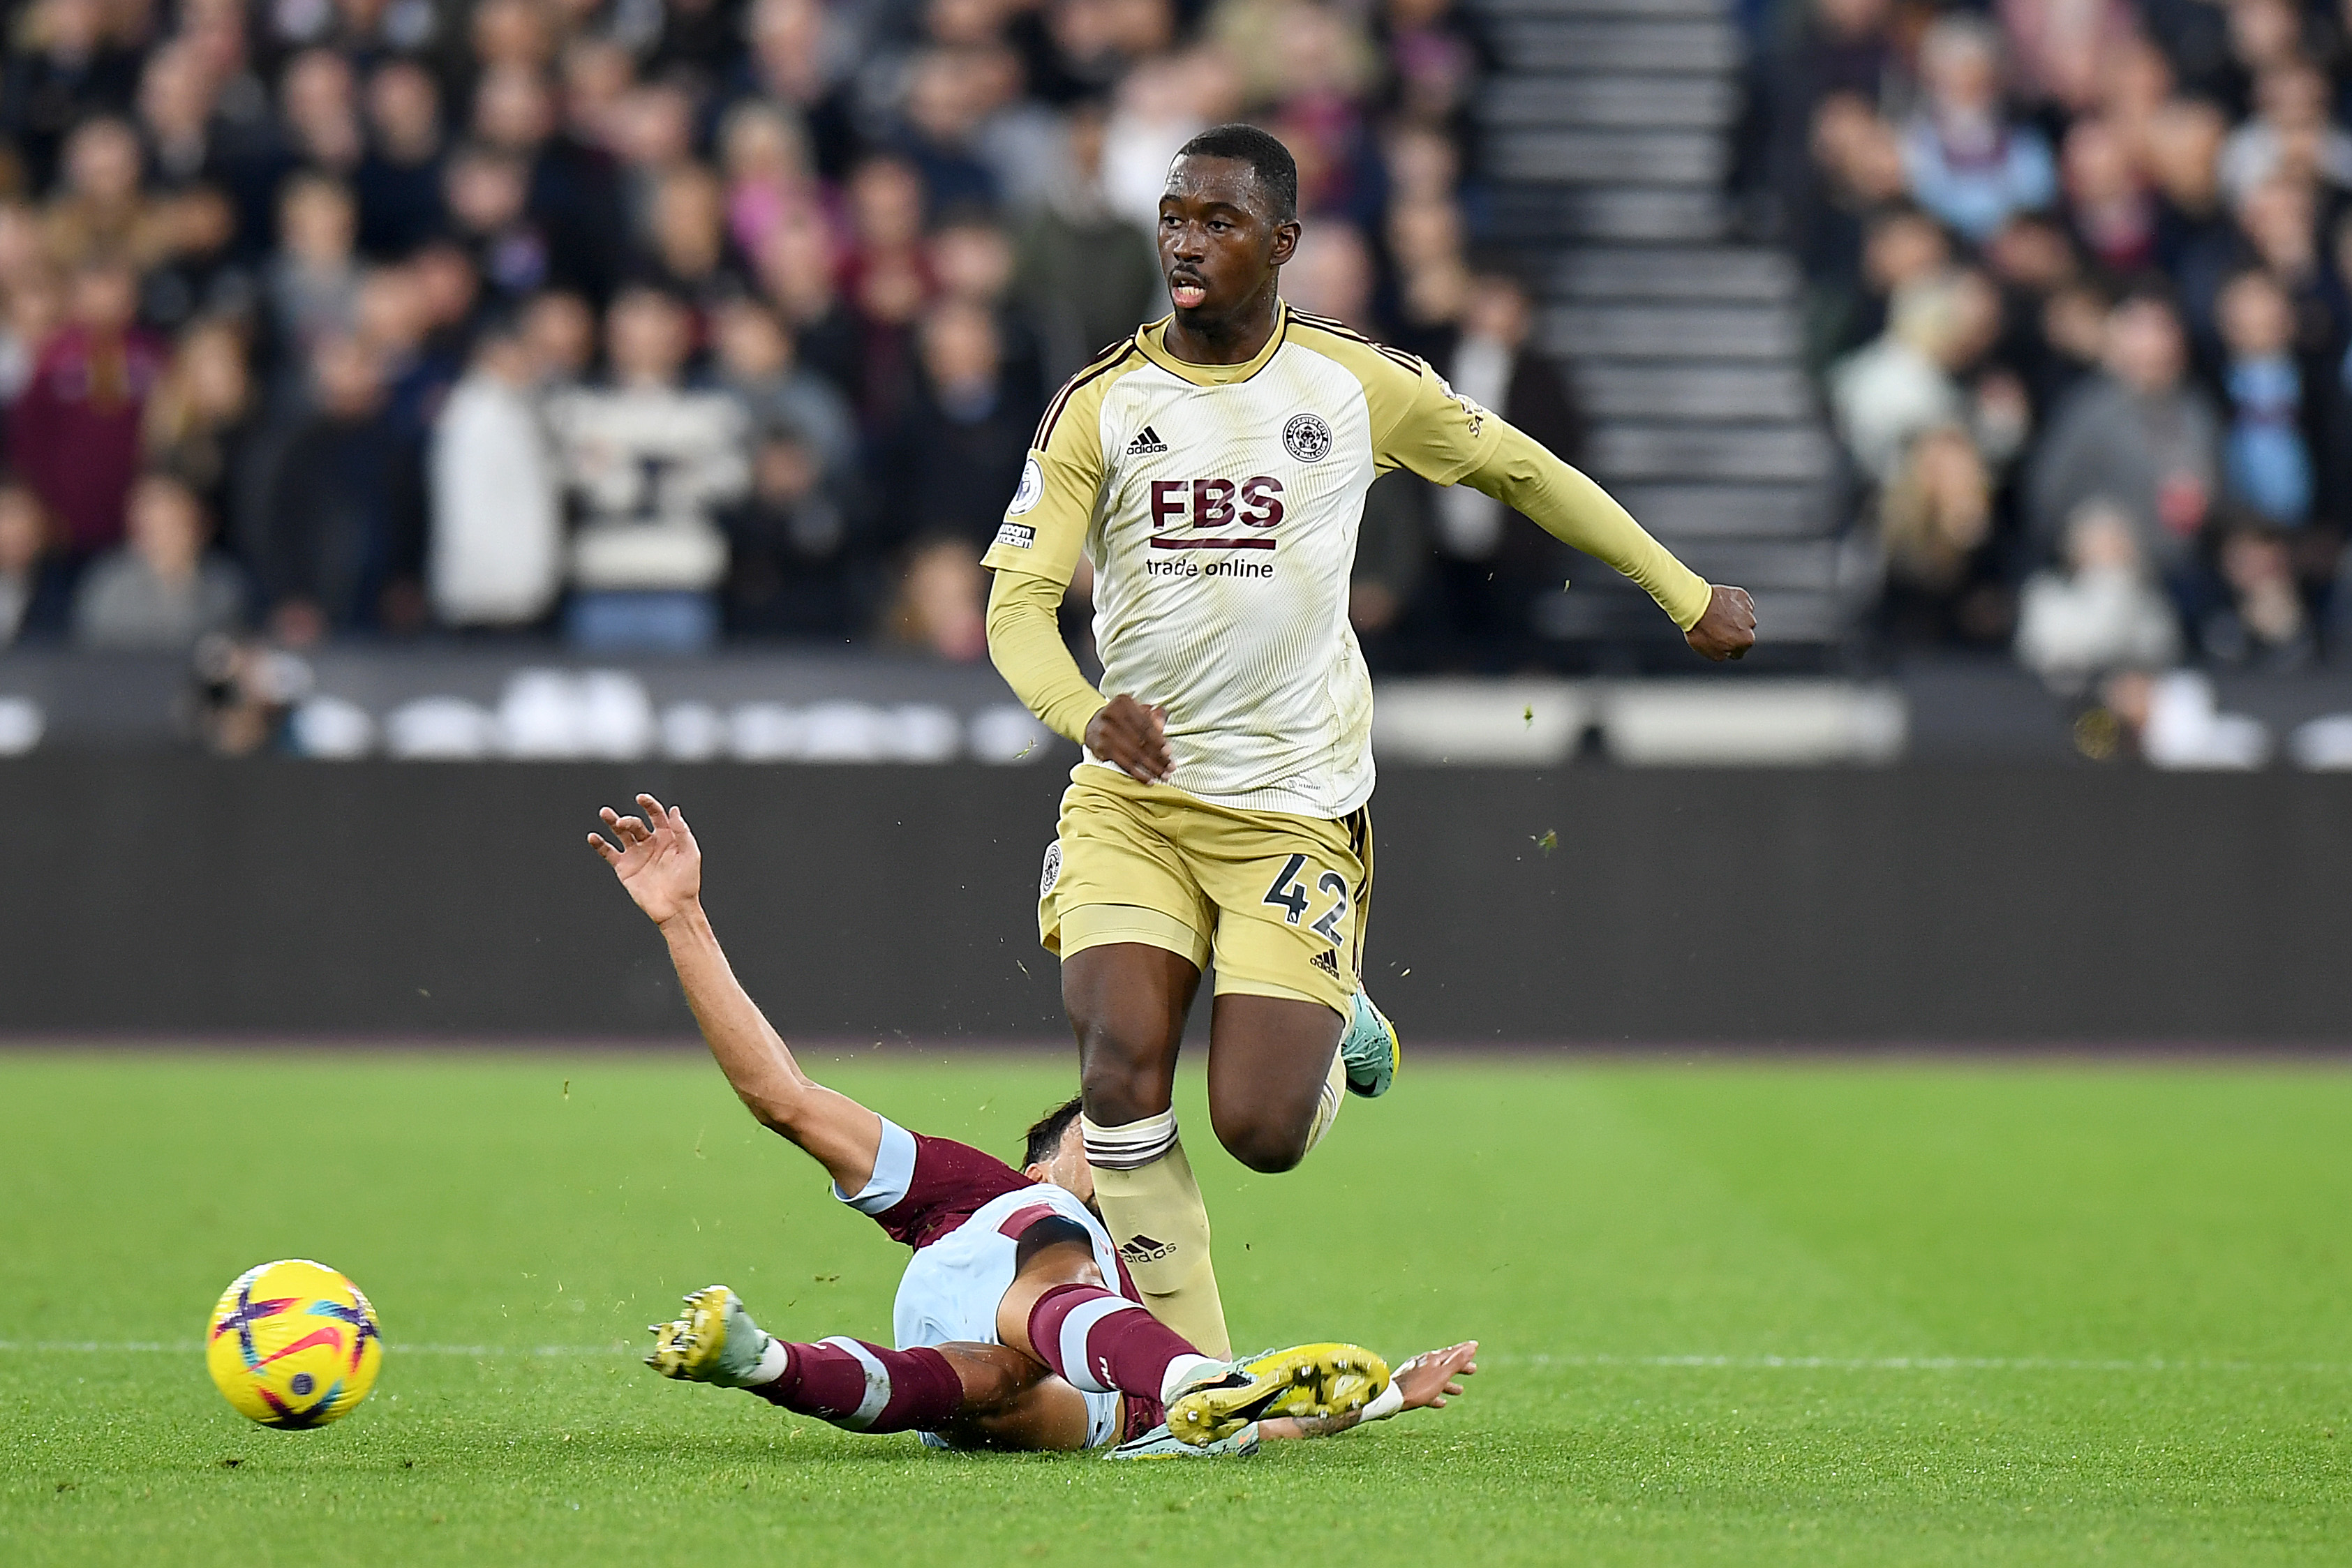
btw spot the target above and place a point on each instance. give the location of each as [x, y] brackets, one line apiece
[955, 459]
[342, 531]
[1487, 571]
[398, 184]
[798, 566]
[1085, 276]
[35, 592]
[70, 71]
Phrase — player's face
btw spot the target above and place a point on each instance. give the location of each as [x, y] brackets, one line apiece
[1219, 242]
[1069, 1169]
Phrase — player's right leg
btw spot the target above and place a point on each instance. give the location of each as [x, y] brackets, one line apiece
[1060, 1310]
[1131, 926]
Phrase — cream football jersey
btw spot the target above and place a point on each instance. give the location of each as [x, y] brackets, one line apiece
[1218, 505]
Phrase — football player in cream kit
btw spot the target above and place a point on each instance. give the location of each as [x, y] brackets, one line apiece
[1212, 468]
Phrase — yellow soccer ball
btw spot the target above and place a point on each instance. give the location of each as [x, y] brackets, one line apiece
[293, 1344]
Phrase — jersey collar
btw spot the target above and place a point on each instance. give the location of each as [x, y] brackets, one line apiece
[1153, 341]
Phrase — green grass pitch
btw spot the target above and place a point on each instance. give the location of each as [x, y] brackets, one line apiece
[1801, 1312]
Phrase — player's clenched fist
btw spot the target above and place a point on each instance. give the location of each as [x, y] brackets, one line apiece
[1728, 629]
[1134, 735]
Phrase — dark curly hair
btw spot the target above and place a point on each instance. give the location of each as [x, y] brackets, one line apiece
[1045, 1137]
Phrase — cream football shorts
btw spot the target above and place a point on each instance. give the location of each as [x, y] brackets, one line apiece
[1278, 902]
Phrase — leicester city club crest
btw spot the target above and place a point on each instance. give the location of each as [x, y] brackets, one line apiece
[1307, 438]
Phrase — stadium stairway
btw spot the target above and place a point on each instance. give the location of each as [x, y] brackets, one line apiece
[1606, 135]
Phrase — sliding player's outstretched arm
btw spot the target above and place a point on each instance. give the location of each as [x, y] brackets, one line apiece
[659, 863]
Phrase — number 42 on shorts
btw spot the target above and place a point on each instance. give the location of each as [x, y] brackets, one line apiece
[1290, 896]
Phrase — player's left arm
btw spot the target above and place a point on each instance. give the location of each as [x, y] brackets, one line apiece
[1448, 439]
[660, 864]
[1424, 1383]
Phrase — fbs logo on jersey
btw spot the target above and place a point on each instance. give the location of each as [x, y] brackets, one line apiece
[1141, 1249]
[1146, 444]
[1214, 504]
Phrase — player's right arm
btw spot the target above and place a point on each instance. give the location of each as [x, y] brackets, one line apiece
[661, 867]
[1036, 553]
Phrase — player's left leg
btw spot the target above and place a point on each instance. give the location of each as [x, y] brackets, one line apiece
[971, 1395]
[1292, 1028]
[1276, 1077]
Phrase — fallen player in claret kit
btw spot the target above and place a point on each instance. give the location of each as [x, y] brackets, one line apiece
[1017, 1326]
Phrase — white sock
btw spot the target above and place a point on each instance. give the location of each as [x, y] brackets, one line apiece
[1130, 1145]
[1178, 1370]
[774, 1362]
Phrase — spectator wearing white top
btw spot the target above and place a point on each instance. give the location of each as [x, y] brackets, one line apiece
[2104, 613]
[649, 461]
[496, 550]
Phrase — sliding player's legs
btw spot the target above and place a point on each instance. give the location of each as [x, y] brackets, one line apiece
[965, 1394]
[1061, 1310]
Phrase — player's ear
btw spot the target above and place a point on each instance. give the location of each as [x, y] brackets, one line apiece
[1285, 242]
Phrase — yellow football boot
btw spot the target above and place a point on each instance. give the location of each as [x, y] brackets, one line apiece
[1306, 1380]
[716, 1341]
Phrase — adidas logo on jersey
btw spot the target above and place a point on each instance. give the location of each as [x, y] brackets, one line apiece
[1146, 444]
[1326, 962]
[1146, 1250]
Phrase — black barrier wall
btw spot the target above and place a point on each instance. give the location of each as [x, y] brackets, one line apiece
[187, 897]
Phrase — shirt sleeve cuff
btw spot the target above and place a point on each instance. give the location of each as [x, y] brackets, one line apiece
[894, 1172]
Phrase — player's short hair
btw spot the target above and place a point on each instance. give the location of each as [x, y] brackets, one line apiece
[1269, 159]
[1045, 1137]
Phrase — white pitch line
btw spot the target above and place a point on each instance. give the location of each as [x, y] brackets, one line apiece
[1914, 1363]
[1703, 1363]
[193, 1348]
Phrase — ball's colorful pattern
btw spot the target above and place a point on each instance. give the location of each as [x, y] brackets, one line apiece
[293, 1344]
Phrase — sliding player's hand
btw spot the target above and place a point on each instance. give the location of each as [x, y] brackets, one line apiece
[657, 860]
[1728, 629]
[1134, 736]
[1429, 1379]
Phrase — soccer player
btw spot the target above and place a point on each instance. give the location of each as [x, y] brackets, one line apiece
[1010, 1333]
[1212, 468]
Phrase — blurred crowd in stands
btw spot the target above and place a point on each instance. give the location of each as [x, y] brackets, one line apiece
[2080, 301]
[647, 323]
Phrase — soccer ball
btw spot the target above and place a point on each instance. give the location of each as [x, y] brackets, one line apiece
[293, 1344]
